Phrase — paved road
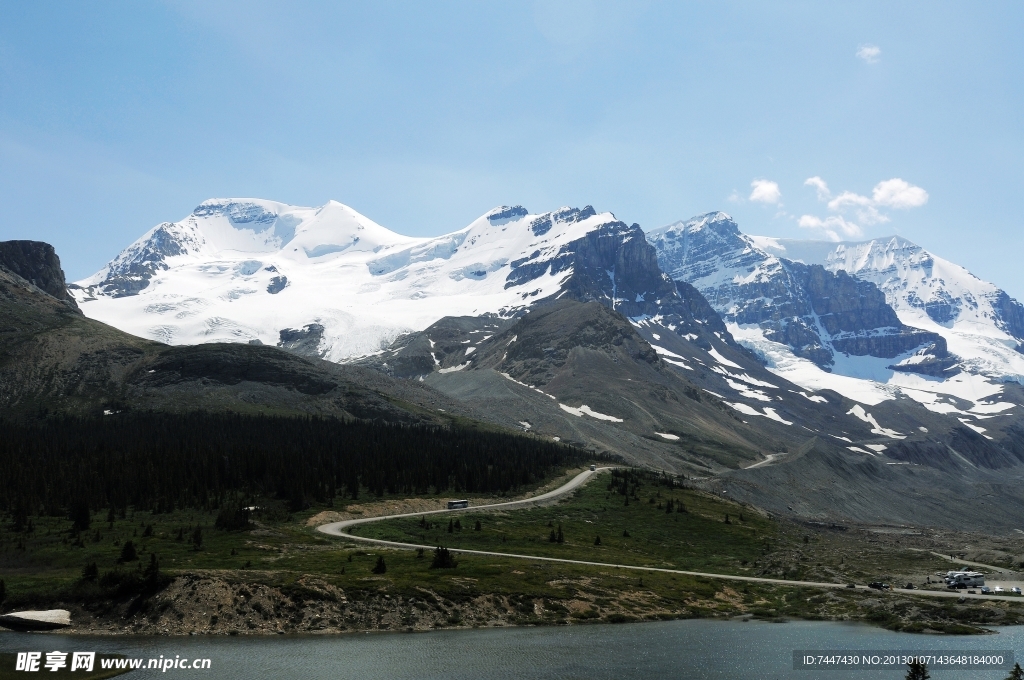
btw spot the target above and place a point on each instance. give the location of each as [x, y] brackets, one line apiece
[340, 529]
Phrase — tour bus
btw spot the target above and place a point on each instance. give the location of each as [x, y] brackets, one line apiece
[964, 579]
[452, 505]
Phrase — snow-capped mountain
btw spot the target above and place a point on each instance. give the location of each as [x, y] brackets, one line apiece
[981, 323]
[332, 282]
[869, 320]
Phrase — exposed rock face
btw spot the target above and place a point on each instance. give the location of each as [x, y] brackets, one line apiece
[133, 269]
[616, 266]
[37, 263]
[305, 342]
[814, 311]
[447, 344]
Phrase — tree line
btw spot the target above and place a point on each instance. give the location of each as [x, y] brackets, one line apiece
[156, 462]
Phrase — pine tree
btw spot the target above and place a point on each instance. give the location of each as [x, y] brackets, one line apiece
[79, 515]
[561, 536]
[152, 573]
[917, 671]
[197, 538]
[443, 559]
[552, 538]
[597, 541]
[1016, 674]
[625, 533]
[380, 567]
[458, 525]
[727, 519]
[3, 591]
[128, 553]
[476, 527]
[90, 572]
[451, 526]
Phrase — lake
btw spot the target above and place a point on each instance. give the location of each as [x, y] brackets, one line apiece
[653, 651]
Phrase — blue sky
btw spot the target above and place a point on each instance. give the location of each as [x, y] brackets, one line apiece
[116, 116]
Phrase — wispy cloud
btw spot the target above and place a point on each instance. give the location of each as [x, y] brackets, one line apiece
[735, 197]
[870, 54]
[832, 225]
[892, 193]
[819, 184]
[765, 191]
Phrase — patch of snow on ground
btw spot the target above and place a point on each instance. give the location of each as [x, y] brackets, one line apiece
[748, 392]
[526, 425]
[744, 377]
[997, 407]
[529, 387]
[664, 352]
[714, 394]
[453, 368]
[781, 361]
[751, 411]
[860, 450]
[586, 410]
[470, 350]
[678, 363]
[814, 397]
[845, 439]
[876, 447]
[665, 435]
[858, 412]
[722, 360]
[979, 430]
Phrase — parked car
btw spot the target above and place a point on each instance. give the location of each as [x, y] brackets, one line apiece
[877, 585]
[851, 585]
[985, 590]
[1015, 590]
[997, 589]
[972, 592]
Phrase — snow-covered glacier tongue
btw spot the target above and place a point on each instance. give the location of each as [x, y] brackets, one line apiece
[869, 320]
[332, 283]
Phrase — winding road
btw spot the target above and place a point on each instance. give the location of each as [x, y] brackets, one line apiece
[340, 529]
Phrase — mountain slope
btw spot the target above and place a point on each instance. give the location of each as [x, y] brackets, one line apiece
[958, 367]
[981, 324]
[53, 360]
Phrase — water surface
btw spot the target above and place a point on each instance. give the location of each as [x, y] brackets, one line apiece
[647, 651]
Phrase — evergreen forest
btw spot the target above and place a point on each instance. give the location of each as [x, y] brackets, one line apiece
[159, 462]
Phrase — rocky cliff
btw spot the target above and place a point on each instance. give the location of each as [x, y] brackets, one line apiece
[37, 263]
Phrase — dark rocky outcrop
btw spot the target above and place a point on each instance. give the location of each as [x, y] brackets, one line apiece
[37, 263]
[812, 310]
[132, 271]
[1011, 314]
[304, 342]
[616, 266]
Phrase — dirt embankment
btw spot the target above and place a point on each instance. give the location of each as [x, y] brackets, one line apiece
[210, 604]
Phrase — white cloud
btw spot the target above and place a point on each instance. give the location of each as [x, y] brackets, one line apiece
[848, 199]
[897, 193]
[869, 53]
[735, 197]
[765, 191]
[820, 186]
[832, 225]
[892, 193]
